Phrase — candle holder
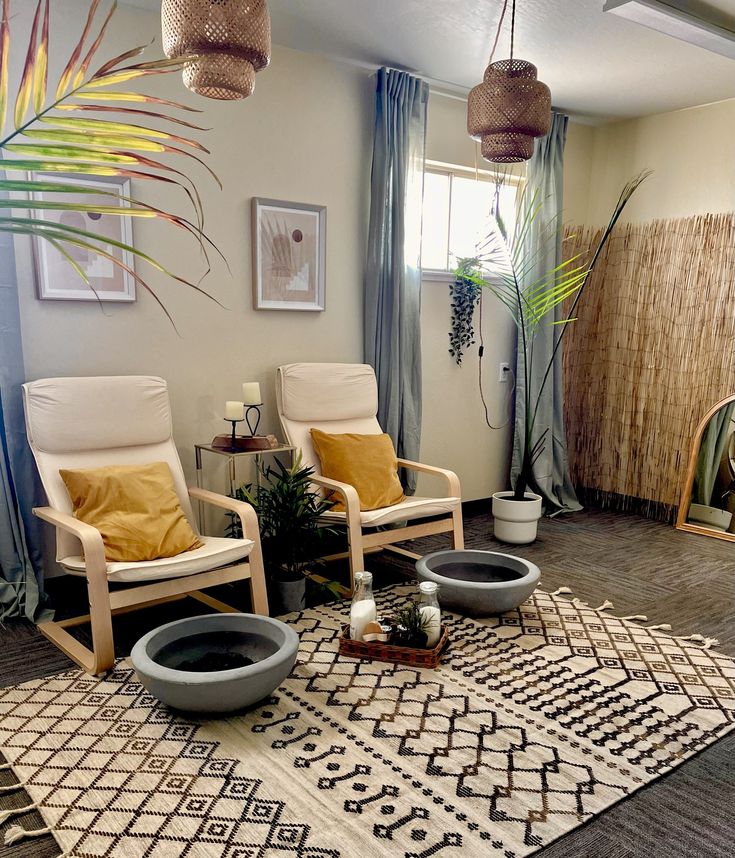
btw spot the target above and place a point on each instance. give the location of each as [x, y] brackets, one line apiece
[233, 439]
[256, 408]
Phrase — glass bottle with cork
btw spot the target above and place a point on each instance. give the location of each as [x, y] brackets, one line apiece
[363, 609]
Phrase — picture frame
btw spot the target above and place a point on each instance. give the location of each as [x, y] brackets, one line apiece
[56, 279]
[289, 245]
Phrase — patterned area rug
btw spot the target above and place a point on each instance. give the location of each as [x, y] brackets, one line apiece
[534, 722]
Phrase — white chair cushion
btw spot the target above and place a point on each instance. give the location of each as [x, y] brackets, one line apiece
[67, 415]
[217, 551]
[408, 509]
[317, 392]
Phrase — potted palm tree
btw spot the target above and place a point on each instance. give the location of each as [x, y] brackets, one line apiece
[289, 512]
[531, 297]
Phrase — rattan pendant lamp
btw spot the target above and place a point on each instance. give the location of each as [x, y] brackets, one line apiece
[510, 108]
[231, 40]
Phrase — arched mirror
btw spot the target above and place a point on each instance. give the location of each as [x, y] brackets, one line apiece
[708, 500]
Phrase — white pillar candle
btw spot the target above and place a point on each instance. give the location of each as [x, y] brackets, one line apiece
[251, 393]
[234, 410]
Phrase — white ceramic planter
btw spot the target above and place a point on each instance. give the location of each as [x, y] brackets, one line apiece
[516, 521]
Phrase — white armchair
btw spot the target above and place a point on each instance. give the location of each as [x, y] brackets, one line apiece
[340, 398]
[125, 420]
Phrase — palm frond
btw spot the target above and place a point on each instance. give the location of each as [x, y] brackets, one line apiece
[73, 133]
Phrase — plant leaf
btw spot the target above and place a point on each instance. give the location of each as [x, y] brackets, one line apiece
[123, 75]
[102, 128]
[82, 71]
[130, 96]
[51, 205]
[110, 64]
[40, 75]
[26, 82]
[135, 111]
[66, 75]
[70, 259]
[69, 233]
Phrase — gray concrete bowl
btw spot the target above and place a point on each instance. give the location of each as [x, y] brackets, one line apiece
[178, 663]
[479, 583]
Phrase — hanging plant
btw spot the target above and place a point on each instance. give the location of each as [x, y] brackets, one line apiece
[465, 295]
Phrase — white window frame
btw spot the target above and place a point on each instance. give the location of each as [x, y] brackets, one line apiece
[438, 274]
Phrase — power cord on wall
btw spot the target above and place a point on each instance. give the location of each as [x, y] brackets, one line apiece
[481, 354]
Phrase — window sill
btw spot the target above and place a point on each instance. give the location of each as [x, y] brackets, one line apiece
[437, 276]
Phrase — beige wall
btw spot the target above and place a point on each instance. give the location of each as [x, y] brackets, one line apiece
[690, 153]
[304, 136]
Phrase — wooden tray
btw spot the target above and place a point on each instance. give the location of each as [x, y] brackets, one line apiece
[379, 651]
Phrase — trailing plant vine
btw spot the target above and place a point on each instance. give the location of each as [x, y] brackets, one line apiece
[465, 295]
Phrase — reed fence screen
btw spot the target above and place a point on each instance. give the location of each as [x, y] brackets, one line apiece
[652, 349]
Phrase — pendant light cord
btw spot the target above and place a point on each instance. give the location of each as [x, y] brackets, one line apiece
[499, 30]
[512, 31]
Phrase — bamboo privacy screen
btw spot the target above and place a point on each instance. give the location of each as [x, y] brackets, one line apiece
[652, 349]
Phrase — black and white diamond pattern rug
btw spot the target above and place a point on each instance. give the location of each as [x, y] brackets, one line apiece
[534, 722]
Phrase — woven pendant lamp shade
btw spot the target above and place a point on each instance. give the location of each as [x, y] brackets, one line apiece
[508, 110]
[230, 38]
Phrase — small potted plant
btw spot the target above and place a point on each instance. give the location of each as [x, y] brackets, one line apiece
[411, 627]
[289, 510]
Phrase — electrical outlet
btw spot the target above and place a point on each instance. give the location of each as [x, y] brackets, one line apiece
[503, 372]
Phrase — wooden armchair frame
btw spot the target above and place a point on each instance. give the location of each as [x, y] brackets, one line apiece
[104, 603]
[360, 542]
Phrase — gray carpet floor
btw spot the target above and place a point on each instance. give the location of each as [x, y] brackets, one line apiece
[643, 567]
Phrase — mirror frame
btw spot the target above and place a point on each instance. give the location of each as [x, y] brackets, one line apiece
[686, 494]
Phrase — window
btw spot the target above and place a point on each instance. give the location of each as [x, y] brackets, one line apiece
[457, 213]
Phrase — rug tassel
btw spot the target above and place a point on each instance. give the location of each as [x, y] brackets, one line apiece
[605, 606]
[7, 814]
[664, 627]
[640, 617]
[16, 833]
[13, 787]
[5, 767]
[697, 638]
[578, 603]
[560, 591]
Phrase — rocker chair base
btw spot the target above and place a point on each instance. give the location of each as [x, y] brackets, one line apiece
[99, 660]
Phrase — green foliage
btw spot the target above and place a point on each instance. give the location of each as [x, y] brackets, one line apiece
[465, 295]
[289, 509]
[412, 625]
[87, 127]
[531, 297]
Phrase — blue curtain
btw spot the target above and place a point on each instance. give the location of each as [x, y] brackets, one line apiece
[21, 587]
[393, 271]
[551, 472]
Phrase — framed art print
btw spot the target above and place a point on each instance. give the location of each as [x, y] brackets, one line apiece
[56, 278]
[289, 255]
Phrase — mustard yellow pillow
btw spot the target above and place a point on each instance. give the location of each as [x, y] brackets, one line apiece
[367, 462]
[135, 508]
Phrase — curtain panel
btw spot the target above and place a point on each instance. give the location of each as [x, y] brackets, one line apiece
[551, 471]
[21, 564]
[392, 325]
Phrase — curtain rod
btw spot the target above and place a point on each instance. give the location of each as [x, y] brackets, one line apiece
[444, 88]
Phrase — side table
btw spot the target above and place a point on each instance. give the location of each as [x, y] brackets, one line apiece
[232, 457]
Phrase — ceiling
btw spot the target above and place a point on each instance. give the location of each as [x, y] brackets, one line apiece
[598, 65]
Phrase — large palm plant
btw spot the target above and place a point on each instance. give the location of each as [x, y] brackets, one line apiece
[86, 125]
[510, 272]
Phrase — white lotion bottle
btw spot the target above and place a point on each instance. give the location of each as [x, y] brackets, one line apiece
[363, 609]
[430, 612]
